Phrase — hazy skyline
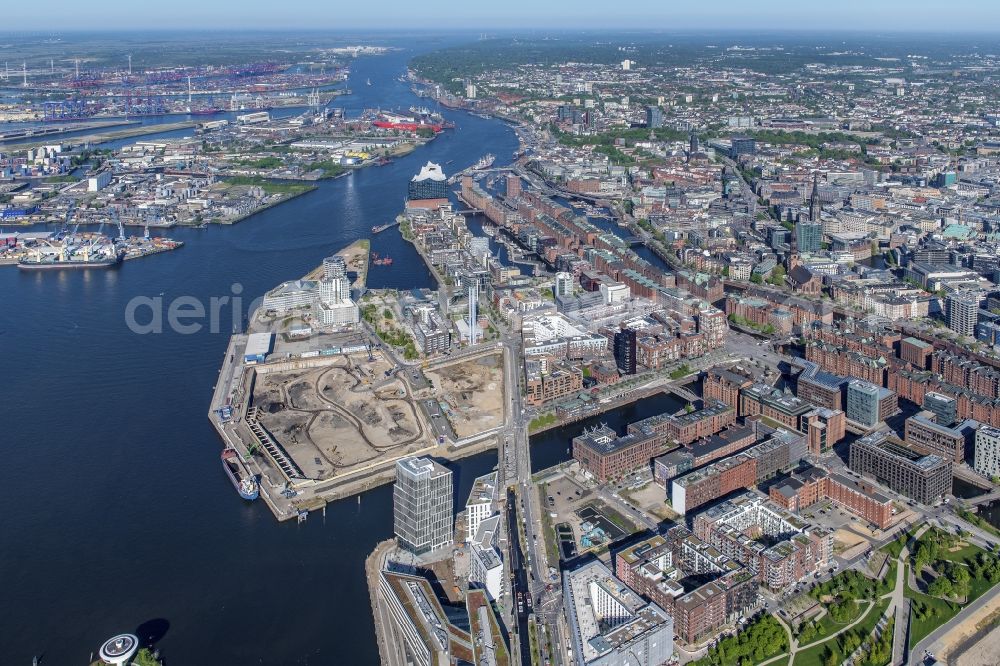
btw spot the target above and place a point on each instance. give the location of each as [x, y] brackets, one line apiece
[858, 15]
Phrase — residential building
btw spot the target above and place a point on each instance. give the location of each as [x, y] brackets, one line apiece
[609, 624]
[686, 428]
[420, 627]
[656, 568]
[482, 503]
[626, 351]
[801, 490]
[654, 117]
[605, 455]
[962, 309]
[546, 380]
[485, 560]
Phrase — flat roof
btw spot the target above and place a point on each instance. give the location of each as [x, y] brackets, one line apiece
[259, 344]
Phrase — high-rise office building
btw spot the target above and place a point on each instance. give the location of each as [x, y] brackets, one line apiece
[473, 311]
[987, 460]
[743, 145]
[867, 404]
[944, 408]
[808, 236]
[963, 312]
[626, 346]
[563, 284]
[422, 505]
[654, 117]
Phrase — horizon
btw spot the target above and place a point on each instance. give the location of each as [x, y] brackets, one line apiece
[891, 16]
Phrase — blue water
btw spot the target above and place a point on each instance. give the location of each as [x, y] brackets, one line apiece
[116, 511]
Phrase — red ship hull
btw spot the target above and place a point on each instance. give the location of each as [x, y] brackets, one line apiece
[407, 127]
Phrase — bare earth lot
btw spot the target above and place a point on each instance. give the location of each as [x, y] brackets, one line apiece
[341, 416]
[472, 392]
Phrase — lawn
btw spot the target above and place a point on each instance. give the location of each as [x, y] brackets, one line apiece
[270, 186]
[946, 610]
[965, 555]
[896, 546]
[828, 626]
[919, 629]
[548, 532]
[813, 656]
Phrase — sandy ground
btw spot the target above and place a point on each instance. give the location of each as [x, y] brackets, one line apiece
[340, 416]
[473, 393]
[651, 498]
[848, 544]
[356, 257]
[986, 649]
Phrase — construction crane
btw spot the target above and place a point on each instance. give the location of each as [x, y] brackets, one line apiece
[118, 221]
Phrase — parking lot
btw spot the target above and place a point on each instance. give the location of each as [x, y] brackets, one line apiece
[578, 519]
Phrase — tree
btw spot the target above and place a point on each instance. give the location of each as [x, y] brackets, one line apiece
[756, 278]
[777, 276]
[941, 587]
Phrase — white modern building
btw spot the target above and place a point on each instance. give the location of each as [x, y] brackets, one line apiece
[987, 460]
[610, 625]
[615, 293]
[553, 334]
[563, 284]
[485, 561]
[482, 503]
[328, 299]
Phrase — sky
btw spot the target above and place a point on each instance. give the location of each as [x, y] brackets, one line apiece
[486, 15]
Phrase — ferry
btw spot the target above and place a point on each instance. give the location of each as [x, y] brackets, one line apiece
[244, 482]
[379, 228]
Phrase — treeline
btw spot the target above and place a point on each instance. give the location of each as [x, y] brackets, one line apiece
[762, 639]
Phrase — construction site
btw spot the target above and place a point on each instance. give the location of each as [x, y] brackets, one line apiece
[470, 393]
[341, 416]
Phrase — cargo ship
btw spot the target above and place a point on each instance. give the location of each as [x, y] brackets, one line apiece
[244, 482]
[485, 162]
[208, 111]
[67, 256]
